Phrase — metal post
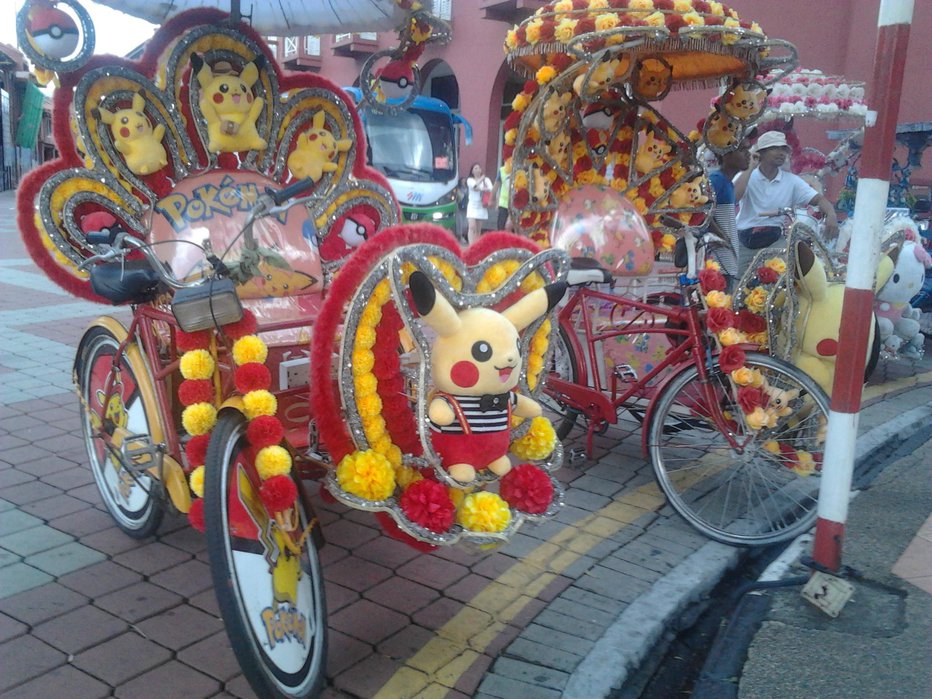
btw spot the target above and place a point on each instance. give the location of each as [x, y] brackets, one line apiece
[884, 89]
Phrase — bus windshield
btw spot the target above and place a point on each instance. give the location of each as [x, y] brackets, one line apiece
[416, 145]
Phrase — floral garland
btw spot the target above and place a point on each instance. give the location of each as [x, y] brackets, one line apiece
[375, 474]
[199, 393]
[761, 404]
[811, 93]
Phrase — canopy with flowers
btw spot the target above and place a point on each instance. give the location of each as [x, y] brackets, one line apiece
[583, 116]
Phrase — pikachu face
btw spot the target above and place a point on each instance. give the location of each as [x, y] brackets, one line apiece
[653, 78]
[554, 111]
[652, 153]
[741, 103]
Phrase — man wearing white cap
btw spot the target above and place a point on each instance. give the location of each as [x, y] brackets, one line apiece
[769, 188]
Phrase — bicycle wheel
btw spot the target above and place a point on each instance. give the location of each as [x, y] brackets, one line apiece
[752, 494]
[272, 601]
[131, 494]
[562, 364]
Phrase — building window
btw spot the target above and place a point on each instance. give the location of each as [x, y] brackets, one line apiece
[291, 46]
[312, 45]
[443, 9]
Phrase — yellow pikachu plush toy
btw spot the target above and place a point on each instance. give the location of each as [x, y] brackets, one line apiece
[475, 366]
[316, 150]
[819, 319]
[554, 110]
[688, 195]
[134, 137]
[231, 110]
[652, 153]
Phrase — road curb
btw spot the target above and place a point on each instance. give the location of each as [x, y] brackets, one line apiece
[636, 631]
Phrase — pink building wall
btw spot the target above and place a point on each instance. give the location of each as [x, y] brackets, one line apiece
[836, 37]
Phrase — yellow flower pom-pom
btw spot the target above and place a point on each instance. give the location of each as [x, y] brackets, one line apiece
[655, 19]
[712, 264]
[520, 102]
[366, 474]
[383, 443]
[273, 461]
[197, 364]
[538, 443]
[365, 337]
[731, 336]
[249, 349]
[718, 299]
[369, 406]
[366, 385]
[694, 19]
[374, 427]
[256, 403]
[382, 292]
[563, 6]
[545, 75]
[756, 301]
[777, 264]
[196, 481]
[532, 282]
[199, 418]
[405, 476]
[772, 446]
[805, 465]
[756, 419]
[394, 456]
[606, 21]
[745, 376]
[363, 360]
[484, 512]
[565, 30]
[668, 241]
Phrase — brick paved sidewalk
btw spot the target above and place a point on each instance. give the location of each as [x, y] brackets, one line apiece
[86, 611]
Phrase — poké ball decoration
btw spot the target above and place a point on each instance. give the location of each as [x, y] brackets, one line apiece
[52, 38]
[602, 224]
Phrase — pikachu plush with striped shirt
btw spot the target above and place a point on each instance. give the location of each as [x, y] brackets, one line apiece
[475, 366]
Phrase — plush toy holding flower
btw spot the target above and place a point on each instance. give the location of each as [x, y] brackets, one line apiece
[897, 319]
[475, 366]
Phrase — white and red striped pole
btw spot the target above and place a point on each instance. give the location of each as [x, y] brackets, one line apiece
[893, 23]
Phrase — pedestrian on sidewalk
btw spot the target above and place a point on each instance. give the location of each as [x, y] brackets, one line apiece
[479, 187]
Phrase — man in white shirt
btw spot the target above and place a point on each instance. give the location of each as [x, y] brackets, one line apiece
[766, 188]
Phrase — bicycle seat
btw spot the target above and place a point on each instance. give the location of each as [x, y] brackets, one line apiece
[585, 270]
[131, 282]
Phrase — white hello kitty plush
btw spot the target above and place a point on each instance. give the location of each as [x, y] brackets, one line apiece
[898, 321]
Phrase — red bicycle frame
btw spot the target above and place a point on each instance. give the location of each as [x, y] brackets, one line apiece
[681, 324]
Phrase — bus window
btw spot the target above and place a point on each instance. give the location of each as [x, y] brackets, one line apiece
[414, 145]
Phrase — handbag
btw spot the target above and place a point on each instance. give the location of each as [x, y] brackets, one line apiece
[486, 199]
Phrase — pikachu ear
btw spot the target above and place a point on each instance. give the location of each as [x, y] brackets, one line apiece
[104, 115]
[432, 307]
[139, 102]
[534, 305]
[810, 273]
[886, 268]
[250, 74]
[204, 72]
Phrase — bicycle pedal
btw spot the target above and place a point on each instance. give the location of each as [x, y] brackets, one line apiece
[575, 455]
[625, 372]
[136, 449]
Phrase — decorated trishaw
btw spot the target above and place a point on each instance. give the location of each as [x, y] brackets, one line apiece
[285, 328]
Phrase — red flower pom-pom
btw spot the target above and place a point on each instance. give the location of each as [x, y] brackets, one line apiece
[427, 504]
[278, 493]
[196, 515]
[264, 431]
[712, 280]
[750, 322]
[750, 398]
[731, 358]
[719, 319]
[185, 342]
[767, 275]
[196, 450]
[252, 377]
[527, 488]
[244, 326]
[193, 391]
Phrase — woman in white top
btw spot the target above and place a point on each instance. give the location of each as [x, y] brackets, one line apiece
[476, 212]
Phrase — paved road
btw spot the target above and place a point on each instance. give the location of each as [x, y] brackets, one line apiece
[566, 609]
